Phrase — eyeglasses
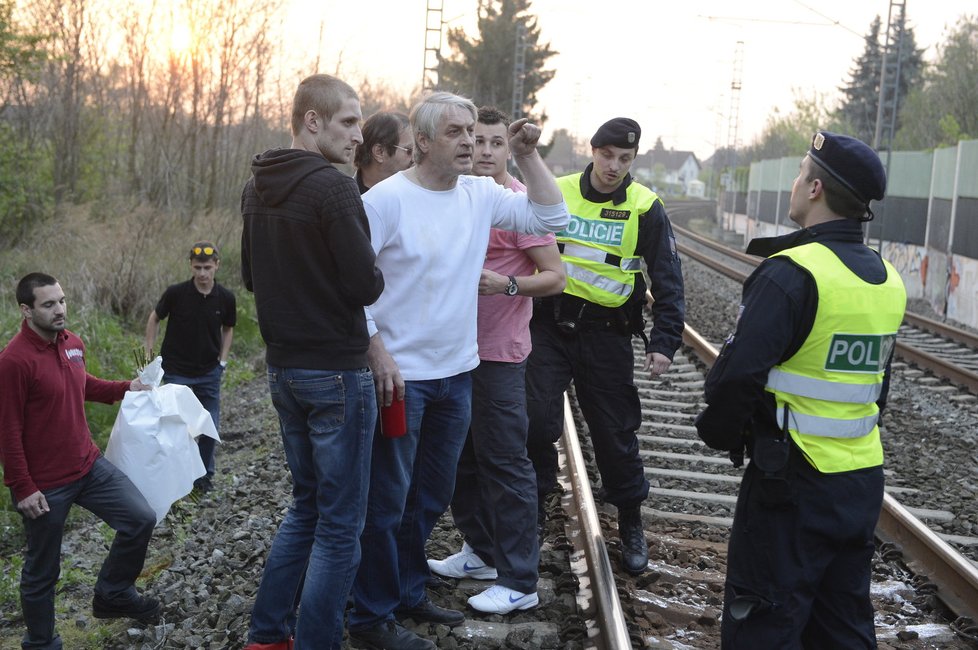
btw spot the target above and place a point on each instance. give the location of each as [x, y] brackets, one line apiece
[408, 150]
[206, 250]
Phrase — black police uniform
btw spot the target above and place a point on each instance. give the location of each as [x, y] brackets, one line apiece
[598, 357]
[801, 545]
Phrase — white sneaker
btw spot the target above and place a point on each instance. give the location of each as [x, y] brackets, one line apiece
[498, 599]
[464, 564]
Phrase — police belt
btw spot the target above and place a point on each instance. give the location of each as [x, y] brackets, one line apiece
[566, 306]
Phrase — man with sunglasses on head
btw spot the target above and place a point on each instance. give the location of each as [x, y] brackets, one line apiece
[197, 340]
[387, 148]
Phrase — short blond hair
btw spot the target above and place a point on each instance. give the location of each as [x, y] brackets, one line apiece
[321, 93]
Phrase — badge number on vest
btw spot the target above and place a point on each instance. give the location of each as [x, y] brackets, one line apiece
[598, 232]
[859, 352]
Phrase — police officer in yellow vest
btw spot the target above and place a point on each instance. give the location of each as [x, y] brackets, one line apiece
[585, 333]
[800, 384]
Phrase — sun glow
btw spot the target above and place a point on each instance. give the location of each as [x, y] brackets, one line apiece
[181, 40]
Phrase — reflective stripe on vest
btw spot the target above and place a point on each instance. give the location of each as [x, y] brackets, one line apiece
[814, 425]
[598, 246]
[787, 382]
[828, 389]
[628, 264]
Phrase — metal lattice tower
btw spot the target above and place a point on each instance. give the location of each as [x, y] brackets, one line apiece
[733, 117]
[432, 44]
[519, 70]
[893, 54]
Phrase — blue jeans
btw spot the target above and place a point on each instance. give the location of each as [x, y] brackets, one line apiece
[495, 502]
[109, 495]
[411, 484]
[207, 388]
[327, 420]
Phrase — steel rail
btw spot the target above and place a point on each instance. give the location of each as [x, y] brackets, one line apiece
[925, 552]
[916, 320]
[941, 367]
[609, 613]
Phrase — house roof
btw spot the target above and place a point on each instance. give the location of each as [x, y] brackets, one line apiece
[671, 160]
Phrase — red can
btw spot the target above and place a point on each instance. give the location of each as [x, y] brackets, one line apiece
[393, 421]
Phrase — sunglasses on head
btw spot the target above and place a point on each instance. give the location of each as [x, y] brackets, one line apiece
[205, 250]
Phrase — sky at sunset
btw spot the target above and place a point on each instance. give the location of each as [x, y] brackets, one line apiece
[667, 64]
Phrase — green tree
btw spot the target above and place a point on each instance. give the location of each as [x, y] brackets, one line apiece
[791, 134]
[20, 52]
[942, 111]
[861, 93]
[24, 179]
[482, 67]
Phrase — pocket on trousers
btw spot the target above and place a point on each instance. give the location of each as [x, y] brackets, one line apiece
[325, 399]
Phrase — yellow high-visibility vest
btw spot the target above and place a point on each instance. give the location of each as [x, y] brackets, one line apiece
[598, 244]
[828, 389]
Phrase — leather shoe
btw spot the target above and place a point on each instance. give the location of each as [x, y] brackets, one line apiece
[389, 635]
[431, 613]
[634, 547]
[144, 609]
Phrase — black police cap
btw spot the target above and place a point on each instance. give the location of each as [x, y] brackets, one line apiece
[851, 162]
[620, 132]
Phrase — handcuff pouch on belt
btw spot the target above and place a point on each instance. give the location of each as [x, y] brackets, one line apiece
[771, 455]
[570, 316]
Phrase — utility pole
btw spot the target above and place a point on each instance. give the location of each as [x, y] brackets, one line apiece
[890, 69]
[519, 70]
[432, 44]
[889, 98]
[733, 125]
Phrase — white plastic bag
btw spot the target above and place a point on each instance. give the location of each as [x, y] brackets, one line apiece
[153, 439]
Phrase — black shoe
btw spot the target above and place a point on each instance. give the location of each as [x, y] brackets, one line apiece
[431, 613]
[141, 608]
[634, 548]
[203, 485]
[389, 635]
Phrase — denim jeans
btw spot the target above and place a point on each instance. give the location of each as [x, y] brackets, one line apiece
[411, 484]
[109, 495]
[495, 502]
[327, 420]
[207, 388]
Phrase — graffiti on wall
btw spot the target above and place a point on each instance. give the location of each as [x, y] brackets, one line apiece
[911, 262]
[962, 290]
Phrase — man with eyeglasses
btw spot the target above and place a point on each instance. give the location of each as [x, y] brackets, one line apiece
[387, 148]
[197, 340]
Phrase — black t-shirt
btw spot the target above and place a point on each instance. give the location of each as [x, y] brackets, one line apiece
[192, 342]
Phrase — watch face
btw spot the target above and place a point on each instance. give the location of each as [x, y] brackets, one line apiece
[512, 288]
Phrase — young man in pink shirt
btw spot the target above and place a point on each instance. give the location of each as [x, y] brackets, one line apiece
[495, 502]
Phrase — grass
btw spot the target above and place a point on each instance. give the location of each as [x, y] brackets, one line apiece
[113, 270]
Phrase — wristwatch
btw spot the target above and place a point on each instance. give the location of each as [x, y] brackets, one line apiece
[512, 287]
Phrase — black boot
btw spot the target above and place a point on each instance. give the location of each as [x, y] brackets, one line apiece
[634, 548]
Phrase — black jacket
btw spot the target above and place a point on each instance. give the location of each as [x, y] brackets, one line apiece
[777, 313]
[306, 255]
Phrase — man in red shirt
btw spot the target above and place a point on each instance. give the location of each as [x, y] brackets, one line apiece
[50, 462]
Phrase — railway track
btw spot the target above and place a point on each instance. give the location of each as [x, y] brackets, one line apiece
[946, 351]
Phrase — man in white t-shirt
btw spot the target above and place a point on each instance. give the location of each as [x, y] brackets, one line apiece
[495, 503]
[429, 226]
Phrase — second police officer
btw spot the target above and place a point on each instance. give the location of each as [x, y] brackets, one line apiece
[585, 333]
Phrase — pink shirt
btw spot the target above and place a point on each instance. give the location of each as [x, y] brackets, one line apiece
[504, 333]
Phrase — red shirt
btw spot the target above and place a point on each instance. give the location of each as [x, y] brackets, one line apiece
[44, 438]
